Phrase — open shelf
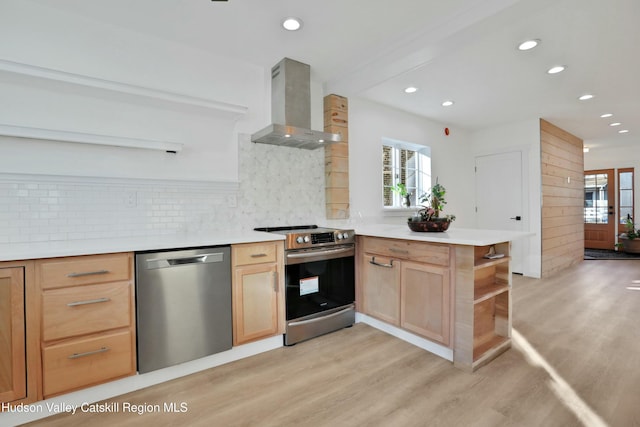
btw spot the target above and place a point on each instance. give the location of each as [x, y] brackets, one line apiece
[490, 349]
[489, 290]
[484, 290]
[484, 262]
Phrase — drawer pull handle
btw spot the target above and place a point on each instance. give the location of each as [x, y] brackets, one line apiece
[89, 301]
[399, 251]
[88, 353]
[258, 255]
[88, 273]
[373, 261]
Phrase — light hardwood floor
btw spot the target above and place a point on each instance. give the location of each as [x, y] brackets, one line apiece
[584, 323]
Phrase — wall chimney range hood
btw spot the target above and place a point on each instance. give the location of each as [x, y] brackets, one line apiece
[291, 110]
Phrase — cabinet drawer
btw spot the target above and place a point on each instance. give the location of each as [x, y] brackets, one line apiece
[429, 253]
[254, 253]
[82, 270]
[85, 362]
[69, 312]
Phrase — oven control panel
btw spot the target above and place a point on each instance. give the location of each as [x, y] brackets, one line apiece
[315, 238]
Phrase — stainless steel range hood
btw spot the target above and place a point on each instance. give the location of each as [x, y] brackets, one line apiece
[291, 110]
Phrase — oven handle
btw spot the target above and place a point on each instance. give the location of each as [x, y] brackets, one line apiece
[322, 318]
[319, 255]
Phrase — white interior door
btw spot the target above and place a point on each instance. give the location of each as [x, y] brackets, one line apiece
[499, 198]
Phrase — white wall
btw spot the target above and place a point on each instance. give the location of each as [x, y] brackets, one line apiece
[524, 137]
[369, 123]
[36, 35]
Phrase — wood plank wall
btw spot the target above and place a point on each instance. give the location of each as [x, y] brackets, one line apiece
[336, 157]
[562, 199]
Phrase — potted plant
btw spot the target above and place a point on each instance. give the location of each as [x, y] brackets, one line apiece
[630, 240]
[402, 191]
[428, 218]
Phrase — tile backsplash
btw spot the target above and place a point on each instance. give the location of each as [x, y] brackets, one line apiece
[276, 186]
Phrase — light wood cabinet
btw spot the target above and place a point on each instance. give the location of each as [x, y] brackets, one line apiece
[483, 305]
[87, 307]
[407, 284]
[18, 334]
[381, 287]
[426, 300]
[257, 291]
[73, 364]
[13, 385]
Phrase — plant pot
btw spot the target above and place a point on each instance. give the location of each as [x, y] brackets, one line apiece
[434, 225]
[630, 246]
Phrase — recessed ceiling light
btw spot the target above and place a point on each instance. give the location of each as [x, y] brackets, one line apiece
[623, 131]
[410, 89]
[292, 24]
[528, 44]
[447, 103]
[585, 150]
[605, 115]
[585, 97]
[557, 69]
[615, 124]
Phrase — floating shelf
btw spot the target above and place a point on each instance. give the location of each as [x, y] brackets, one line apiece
[88, 138]
[234, 111]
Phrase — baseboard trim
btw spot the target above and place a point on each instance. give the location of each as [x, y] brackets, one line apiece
[430, 346]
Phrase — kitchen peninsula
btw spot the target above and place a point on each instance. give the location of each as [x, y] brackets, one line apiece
[440, 286]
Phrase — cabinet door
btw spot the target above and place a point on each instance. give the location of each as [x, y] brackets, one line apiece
[381, 288]
[426, 292]
[12, 335]
[255, 302]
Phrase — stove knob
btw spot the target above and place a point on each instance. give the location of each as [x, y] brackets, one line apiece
[345, 235]
[299, 239]
[307, 239]
[339, 236]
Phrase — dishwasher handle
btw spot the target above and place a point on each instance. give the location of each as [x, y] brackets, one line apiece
[156, 263]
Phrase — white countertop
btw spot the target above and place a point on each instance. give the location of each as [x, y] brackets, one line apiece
[453, 236]
[35, 250]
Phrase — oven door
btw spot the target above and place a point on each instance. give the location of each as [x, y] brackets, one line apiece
[319, 279]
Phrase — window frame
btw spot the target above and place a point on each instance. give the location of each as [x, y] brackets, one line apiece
[421, 170]
[621, 220]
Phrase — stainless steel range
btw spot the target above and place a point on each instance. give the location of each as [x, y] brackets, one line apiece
[319, 280]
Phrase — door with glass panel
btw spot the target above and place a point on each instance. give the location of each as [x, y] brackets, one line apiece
[599, 209]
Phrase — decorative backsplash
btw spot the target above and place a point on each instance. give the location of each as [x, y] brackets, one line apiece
[277, 185]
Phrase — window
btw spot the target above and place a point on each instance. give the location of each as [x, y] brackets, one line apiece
[625, 195]
[408, 164]
[596, 203]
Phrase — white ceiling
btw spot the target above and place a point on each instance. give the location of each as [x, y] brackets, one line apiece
[463, 50]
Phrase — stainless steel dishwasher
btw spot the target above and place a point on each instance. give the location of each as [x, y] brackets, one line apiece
[183, 301]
